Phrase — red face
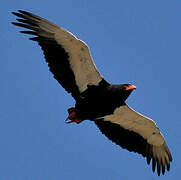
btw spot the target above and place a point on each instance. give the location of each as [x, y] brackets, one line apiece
[130, 87]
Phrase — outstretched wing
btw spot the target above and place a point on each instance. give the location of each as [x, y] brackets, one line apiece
[137, 133]
[68, 57]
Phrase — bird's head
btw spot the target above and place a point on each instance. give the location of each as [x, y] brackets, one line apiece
[129, 87]
[126, 90]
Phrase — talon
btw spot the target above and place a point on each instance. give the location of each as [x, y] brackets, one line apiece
[72, 109]
[72, 116]
[74, 120]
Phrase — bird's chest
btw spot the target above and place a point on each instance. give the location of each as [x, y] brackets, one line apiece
[97, 104]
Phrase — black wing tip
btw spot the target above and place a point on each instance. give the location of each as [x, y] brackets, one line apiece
[168, 166]
[25, 12]
[160, 166]
[20, 11]
[148, 159]
[14, 13]
[170, 158]
[153, 165]
[15, 23]
[158, 169]
[19, 24]
[29, 32]
[17, 13]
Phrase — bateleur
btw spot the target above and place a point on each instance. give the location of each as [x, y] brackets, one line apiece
[70, 61]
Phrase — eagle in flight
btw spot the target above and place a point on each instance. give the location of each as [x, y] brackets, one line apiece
[70, 61]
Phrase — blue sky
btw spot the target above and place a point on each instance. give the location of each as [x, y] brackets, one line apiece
[131, 41]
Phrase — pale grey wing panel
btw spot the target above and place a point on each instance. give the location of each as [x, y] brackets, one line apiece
[137, 133]
[68, 57]
[80, 60]
[133, 121]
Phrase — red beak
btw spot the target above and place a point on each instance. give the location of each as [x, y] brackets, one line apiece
[130, 87]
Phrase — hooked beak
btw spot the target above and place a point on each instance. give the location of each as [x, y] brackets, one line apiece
[130, 87]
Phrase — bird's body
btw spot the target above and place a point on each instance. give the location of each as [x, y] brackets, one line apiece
[99, 101]
[96, 99]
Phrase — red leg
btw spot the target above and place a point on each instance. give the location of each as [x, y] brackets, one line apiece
[71, 109]
[72, 116]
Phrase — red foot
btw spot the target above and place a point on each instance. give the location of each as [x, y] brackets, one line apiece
[72, 116]
[72, 109]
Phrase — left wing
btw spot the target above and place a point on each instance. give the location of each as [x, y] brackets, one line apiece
[68, 57]
[137, 133]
